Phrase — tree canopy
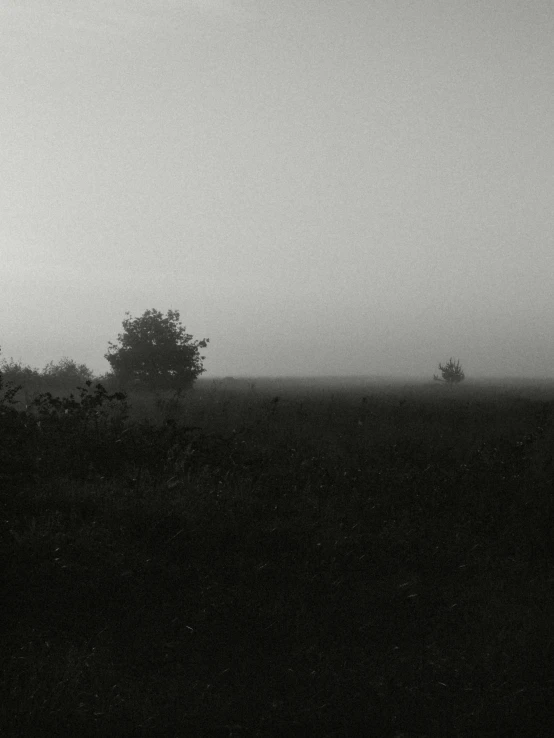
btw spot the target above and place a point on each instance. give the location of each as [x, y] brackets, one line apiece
[155, 352]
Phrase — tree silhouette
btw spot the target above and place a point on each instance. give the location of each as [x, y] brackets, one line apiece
[155, 352]
[452, 373]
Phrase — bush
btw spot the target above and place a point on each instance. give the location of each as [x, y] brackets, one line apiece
[452, 373]
[61, 377]
[17, 435]
[80, 434]
[61, 435]
[66, 374]
[29, 380]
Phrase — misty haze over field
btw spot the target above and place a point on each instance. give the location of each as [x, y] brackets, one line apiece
[319, 187]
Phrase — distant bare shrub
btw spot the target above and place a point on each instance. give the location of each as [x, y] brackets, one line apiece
[452, 373]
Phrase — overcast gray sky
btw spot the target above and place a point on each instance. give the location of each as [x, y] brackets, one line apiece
[318, 186]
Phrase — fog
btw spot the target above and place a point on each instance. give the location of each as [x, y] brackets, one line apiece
[319, 187]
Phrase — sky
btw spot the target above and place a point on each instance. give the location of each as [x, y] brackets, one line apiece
[320, 187]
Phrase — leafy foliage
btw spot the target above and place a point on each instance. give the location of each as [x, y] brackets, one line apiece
[66, 373]
[452, 372]
[156, 352]
[57, 436]
[27, 379]
[86, 436]
[7, 396]
[16, 435]
[61, 377]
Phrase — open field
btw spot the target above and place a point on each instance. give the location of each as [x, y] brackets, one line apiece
[281, 557]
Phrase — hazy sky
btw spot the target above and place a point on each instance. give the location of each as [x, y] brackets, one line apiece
[318, 186]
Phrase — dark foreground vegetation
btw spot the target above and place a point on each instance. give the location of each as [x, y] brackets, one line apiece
[259, 560]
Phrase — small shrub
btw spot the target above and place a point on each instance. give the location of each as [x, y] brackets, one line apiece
[7, 396]
[72, 435]
[16, 436]
[452, 373]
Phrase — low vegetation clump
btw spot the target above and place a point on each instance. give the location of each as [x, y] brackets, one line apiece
[452, 373]
[251, 559]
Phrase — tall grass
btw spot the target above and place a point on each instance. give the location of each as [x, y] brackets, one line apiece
[272, 560]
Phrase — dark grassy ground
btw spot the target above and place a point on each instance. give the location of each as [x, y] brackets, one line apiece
[346, 561]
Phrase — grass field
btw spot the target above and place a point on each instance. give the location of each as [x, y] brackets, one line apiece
[281, 558]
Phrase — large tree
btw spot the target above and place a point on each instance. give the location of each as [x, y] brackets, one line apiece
[156, 352]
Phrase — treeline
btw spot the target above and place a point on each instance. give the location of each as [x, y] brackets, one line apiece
[61, 377]
[153, 352]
